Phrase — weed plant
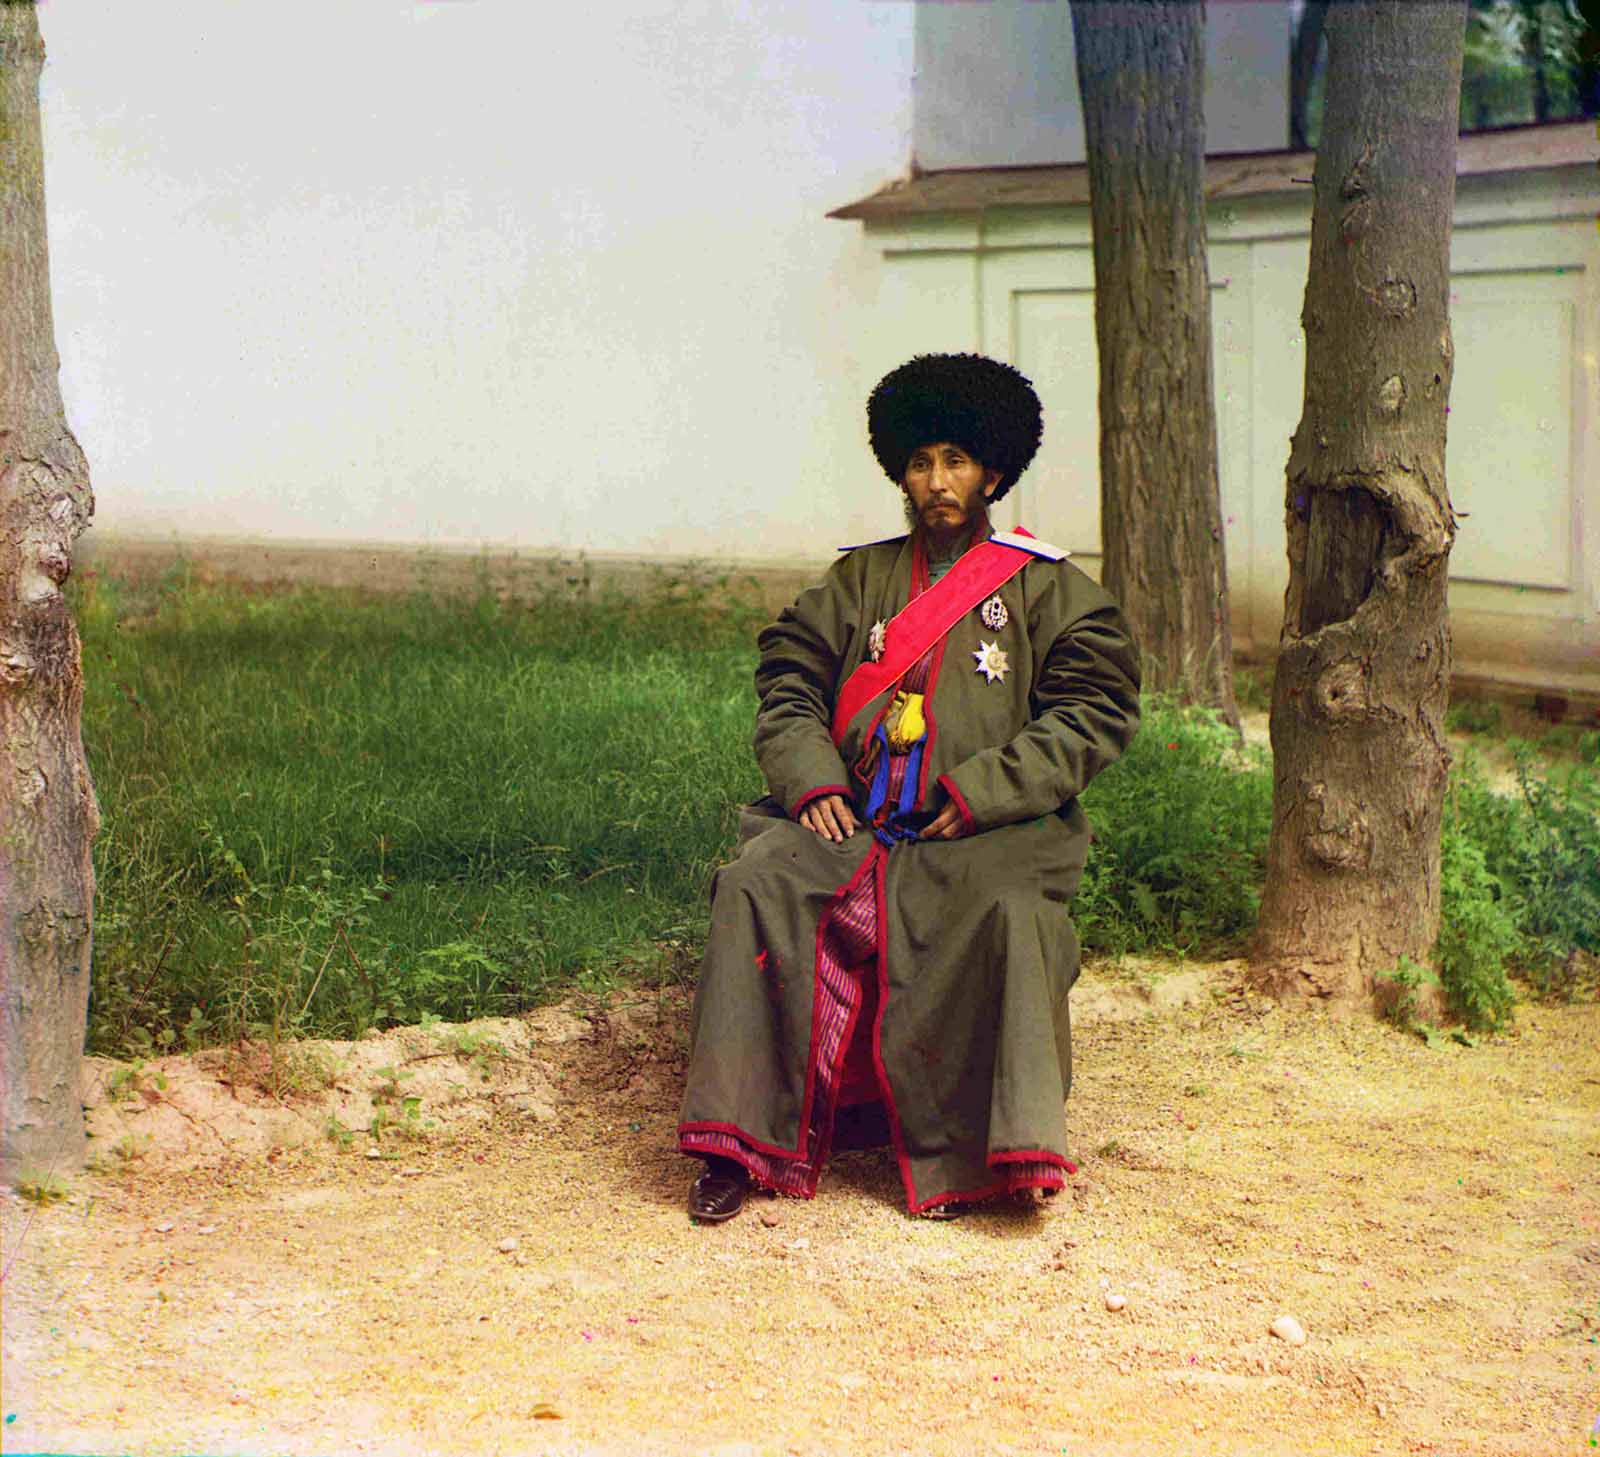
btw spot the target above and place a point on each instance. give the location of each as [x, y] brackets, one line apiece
[1252, 689]
[1521, 882]
[1180, 828]
[1478, 934]
[1473, 716]
[324, 812]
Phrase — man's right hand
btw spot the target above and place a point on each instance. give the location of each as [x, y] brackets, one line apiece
[830, 816]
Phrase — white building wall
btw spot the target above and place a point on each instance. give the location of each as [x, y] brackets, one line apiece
[464, 273]
[1523, 460]
[996, 82]
[470, 271]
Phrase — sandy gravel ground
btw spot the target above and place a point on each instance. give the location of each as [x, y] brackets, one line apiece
[237, 1275]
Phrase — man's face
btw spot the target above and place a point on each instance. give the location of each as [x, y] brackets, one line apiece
[946, 490]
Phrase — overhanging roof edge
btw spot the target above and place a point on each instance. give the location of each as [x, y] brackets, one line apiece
[1235, 174]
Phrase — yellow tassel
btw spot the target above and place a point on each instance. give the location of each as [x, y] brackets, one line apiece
[904, 724]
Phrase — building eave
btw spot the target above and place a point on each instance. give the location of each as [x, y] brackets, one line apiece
[1243, 174]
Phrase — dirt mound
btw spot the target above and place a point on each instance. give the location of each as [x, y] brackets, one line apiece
[398, 1088]
[386, 1091]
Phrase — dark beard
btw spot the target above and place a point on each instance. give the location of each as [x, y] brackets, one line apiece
[914, 522]
[914, 519]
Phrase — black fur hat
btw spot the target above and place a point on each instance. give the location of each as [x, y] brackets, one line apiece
[980, 404]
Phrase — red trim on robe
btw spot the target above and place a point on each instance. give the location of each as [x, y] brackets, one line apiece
[835, 990]
[931, 720]
[733, 1130]
[890, 1107]
[1033, 1155]
[969, 826]
[1041, 1176]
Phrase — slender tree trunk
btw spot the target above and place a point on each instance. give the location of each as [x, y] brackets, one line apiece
[48, 816]
[1302, 67]
[1587, 75]
[1533, 52]
[1359, 753]
[1140, 74]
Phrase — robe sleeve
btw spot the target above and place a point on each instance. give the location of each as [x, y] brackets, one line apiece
[797, 680]
[1085, 712]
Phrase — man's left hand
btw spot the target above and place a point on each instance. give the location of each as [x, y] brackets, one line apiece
[948, 824]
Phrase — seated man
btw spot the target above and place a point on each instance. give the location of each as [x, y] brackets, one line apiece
[891, 943]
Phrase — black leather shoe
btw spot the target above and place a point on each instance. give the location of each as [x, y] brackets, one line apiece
[954, 1209]
[718, 1194]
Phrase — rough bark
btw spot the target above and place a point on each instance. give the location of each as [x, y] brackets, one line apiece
[1358, 700]
[1140, 74]
[48, 815]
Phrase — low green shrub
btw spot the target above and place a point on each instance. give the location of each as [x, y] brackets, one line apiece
[1180, 828]
[1540, 851]
[1478, 934]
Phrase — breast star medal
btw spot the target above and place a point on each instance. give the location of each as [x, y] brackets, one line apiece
[994, 614]
[876, 638]
[992, 661]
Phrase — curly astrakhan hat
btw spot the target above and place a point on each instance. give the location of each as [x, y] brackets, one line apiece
[980, 404]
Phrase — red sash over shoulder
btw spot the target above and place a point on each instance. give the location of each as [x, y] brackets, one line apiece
[980, 572]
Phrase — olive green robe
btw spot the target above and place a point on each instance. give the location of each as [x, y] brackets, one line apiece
[976, 952]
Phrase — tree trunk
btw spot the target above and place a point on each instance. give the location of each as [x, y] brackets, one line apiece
[1533, 48]
[48, 815]
[1140, 74]
[1359, 753]
[1302, 67]
[1587, 74]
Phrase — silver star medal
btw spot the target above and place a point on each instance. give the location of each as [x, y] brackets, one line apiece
[994, 614]
[992, 661]
[876, 639]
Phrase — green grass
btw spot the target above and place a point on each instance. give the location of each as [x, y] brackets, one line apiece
[1499, 725]
[1252, 689]
[325, 811]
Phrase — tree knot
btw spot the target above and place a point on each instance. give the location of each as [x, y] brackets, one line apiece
[1341, 690]
[1337, 833]
[1397, 297]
